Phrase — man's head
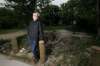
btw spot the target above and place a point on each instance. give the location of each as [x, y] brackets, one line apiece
[35, 16]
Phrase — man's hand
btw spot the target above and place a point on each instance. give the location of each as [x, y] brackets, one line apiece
[41, 41]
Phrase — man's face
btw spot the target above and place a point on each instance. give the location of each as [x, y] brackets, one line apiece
[35, 16]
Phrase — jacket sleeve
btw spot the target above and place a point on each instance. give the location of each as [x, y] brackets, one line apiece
[41, 33]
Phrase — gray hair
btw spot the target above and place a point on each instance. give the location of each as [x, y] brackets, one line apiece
[38, 14]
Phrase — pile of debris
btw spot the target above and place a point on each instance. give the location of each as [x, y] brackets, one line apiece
[5, 46]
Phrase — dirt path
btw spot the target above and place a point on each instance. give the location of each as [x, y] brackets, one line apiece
[5, 61]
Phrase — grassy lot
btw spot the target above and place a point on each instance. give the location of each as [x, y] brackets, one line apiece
[4, 31]
[49, 28]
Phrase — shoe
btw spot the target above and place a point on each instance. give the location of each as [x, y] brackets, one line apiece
[33, 60]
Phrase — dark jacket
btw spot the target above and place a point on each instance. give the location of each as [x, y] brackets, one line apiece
[35, 31]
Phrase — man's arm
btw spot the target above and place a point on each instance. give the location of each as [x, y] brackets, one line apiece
[41, 33]
[41, 44]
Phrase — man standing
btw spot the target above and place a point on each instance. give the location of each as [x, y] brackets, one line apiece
[35, 36]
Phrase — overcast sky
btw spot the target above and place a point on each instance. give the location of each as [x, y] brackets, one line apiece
[56, 2]
[1, 1]
[59, 2]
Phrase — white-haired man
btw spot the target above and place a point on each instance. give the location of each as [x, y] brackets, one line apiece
[35, 35]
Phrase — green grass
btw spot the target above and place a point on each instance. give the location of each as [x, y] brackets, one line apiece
[4, 31]
[50, 28]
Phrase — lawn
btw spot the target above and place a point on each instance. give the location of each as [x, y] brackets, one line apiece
[49, 28]
[4, 31]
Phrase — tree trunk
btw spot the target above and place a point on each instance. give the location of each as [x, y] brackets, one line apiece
[98, 16]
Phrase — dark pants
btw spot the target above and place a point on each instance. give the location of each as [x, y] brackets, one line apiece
[35, 49]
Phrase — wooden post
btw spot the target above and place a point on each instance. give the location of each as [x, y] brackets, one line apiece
[42, 51]
[95, 56]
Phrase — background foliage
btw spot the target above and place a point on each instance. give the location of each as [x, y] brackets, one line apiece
[17, 13]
